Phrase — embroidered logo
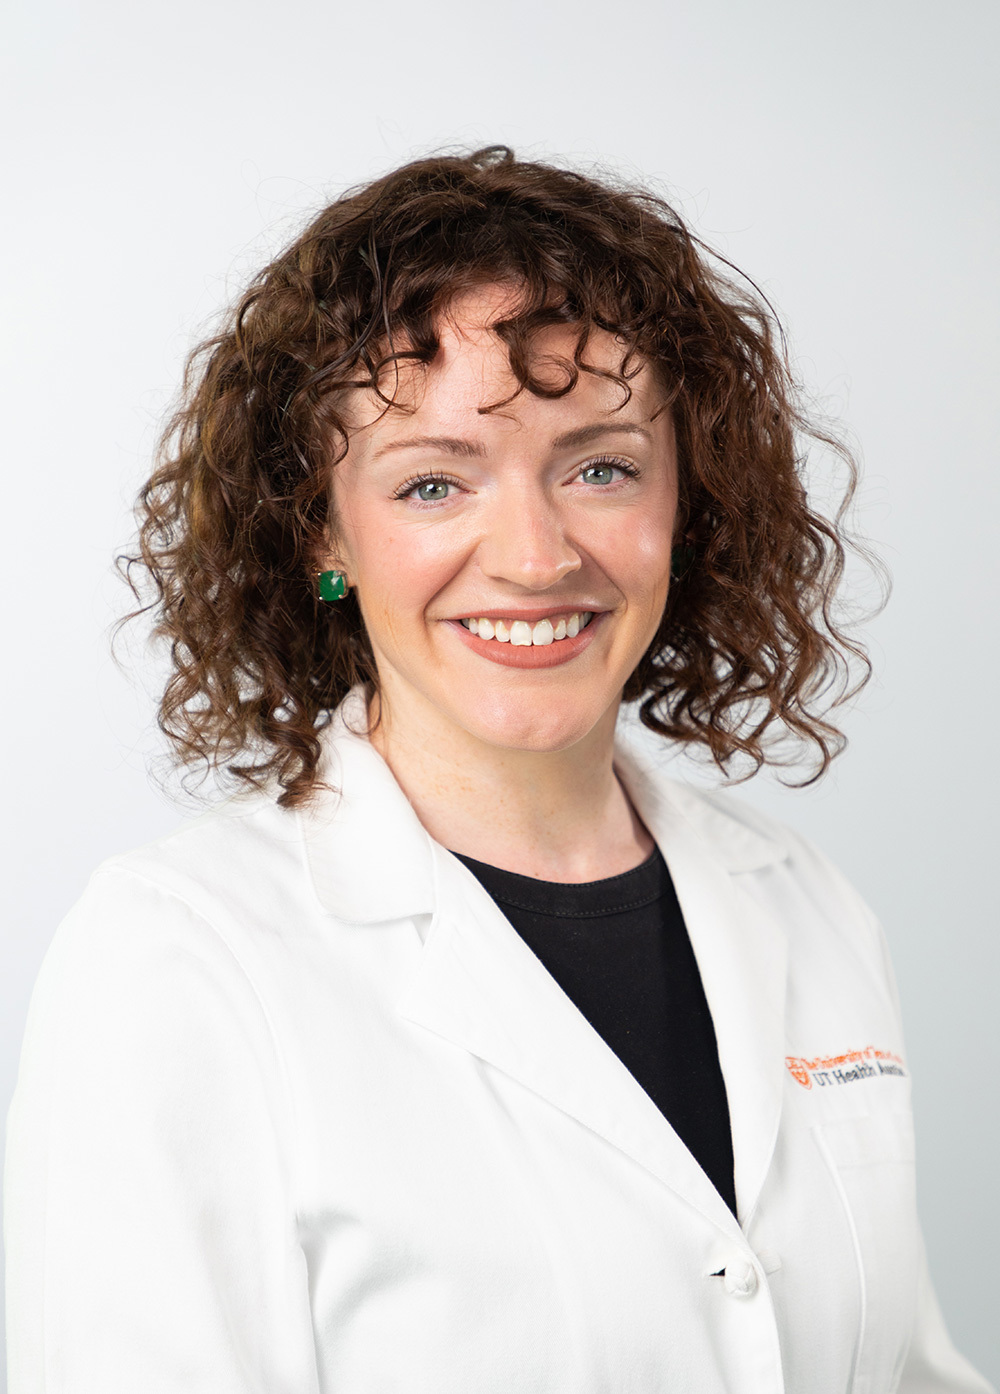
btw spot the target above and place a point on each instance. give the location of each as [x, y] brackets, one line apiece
[825, 1070]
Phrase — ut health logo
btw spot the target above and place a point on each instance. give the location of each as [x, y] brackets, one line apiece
[850, 1067]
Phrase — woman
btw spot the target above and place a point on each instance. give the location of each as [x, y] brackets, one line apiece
[464, 1050]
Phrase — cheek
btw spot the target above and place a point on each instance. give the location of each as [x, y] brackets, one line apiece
[401, 568]
[638, 556]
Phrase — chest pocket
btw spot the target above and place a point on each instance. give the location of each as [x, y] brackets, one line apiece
[871, 1160]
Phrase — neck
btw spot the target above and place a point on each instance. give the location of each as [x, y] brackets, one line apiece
[556, 815]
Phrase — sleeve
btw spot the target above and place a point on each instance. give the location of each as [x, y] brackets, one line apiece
[150, 1227]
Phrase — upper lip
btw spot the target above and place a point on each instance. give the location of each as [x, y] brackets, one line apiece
[531, 616]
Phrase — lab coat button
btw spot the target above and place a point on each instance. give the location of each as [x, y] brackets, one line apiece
[740, 1279]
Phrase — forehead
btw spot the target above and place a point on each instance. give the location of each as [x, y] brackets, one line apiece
[471, 371]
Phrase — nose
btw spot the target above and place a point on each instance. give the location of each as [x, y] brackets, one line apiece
[526, 544]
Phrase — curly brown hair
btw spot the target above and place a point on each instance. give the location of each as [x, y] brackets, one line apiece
[238, 509]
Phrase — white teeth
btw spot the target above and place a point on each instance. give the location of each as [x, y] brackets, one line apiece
[525, 635]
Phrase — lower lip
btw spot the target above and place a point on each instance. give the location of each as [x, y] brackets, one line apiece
[528, 656]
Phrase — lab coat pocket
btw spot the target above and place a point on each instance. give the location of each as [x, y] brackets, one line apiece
[871, 1161]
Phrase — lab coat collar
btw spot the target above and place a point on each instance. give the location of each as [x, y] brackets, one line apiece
[478, 985]
[369, 854]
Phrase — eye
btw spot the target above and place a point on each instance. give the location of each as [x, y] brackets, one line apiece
[426, 488]
[602, 471]
[431, 490]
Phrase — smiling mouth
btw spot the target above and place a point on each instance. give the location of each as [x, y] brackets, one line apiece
[524, 635]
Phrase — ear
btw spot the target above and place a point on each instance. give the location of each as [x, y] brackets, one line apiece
[327, 555]
[329, 564]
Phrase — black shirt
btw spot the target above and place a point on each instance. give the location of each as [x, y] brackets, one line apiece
[620, 950]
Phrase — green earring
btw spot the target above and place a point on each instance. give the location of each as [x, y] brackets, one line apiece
[332, 585]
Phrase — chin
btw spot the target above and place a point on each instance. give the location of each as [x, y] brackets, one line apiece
[545, 724]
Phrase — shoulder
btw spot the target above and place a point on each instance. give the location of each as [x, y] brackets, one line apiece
[162, 969]
[771, 859]
[740, 835]
[243, 855]
[733, 822]
[147, 1012]
[177, 913]
[239, 839]
[823, 916]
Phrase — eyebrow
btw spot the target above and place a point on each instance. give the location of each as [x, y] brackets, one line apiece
[456, 445]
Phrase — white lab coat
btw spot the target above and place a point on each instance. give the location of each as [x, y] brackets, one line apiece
[299, 1111]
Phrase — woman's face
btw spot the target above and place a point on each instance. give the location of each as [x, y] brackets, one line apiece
[546, 526]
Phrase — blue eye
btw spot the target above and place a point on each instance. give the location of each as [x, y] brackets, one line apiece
[426, 488]
[604, 471]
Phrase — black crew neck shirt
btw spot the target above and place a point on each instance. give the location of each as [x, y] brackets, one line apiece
[620, 950]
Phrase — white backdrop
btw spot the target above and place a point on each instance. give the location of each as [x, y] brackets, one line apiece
[844, 154]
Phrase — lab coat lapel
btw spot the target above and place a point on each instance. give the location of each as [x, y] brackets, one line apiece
[479, 986]
[741, 953]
